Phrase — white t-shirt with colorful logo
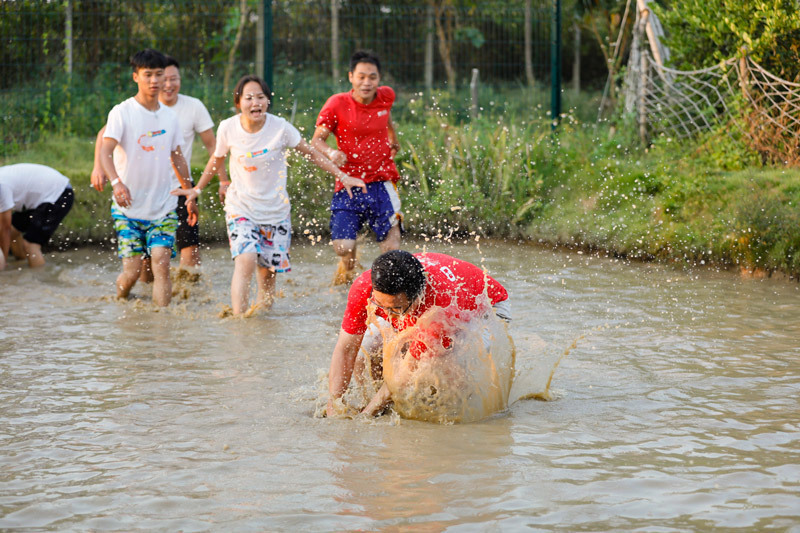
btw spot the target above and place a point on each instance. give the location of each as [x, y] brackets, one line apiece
[258, 168]
[142, 157]
[193, 118]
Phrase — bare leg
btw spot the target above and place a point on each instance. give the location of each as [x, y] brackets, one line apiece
[33, 252]
[243, 267]
[190, 257]
[346, 250]
[17, 249]
[131, 267]
[162, 285]
[266, 287]
[146, 274]
[392, 240]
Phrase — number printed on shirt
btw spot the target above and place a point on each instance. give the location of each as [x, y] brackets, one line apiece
[449, 273]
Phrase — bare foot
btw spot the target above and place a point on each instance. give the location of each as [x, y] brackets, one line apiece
[343, 276]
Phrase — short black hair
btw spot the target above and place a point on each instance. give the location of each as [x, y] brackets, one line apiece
[398, 271]
[148, 58]
[244, 80]
[171, 62]
[364, 56]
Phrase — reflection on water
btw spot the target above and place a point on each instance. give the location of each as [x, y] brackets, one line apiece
[677, 409]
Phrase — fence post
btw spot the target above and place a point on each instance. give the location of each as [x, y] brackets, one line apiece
[528, 36]
[473, 89]
[576, 63]
[643, 74]
[68, 37]
[555, 63]
[267, 43]
[744, 73]
[264, 42]
[429, 49]
[335, 40]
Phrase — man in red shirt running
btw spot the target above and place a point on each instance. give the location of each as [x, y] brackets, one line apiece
[361, 122]
[401, 287]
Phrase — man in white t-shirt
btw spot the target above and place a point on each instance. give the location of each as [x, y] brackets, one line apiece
[193, 118]
[34, 199]
[141, 145]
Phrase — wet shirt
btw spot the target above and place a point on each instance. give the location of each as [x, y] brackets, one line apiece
[257, 168]
[26, 186]
[361, 132]
[448, 280]
[145, 140]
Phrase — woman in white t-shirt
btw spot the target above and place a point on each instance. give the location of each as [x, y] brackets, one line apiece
[257, 208]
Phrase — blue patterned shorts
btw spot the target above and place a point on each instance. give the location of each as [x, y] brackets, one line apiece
[135, 236]
[270, 241]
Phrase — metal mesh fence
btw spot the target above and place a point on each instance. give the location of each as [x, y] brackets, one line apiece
[63, 64]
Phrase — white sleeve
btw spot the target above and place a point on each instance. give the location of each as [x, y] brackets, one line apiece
[291, 137]
[221, 148]
[202, 119]
[115, 126]
[6, 198]
[177, 134]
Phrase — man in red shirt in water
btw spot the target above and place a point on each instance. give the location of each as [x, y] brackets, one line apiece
[402, 287]
[361, 121]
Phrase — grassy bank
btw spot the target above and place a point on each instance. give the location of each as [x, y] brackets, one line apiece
[505, 174]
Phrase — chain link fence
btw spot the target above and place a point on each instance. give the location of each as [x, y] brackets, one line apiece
[64, 64]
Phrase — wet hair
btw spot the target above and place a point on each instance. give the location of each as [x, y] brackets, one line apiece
[171, 62]
[398, 271]
[148, 58]
[364, 56]
[244, 80]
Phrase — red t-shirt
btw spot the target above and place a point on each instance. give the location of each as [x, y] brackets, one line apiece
[447, 278]
[361, 133]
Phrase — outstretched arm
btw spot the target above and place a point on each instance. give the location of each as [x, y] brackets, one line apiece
[327, 165]
[212, 167]
[318, 141]
[210, 142]
[181, 168]
[342, 363]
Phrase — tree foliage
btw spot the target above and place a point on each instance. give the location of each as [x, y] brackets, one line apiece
[704, 32]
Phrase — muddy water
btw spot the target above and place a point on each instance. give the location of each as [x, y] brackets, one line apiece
[677, 409]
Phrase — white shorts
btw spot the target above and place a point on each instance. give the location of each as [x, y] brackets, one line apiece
[270, 241]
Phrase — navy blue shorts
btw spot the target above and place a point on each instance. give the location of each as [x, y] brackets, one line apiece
[379, 207]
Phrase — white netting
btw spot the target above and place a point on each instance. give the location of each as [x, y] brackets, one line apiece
[685, 103]
[682, 103]
[772, 120]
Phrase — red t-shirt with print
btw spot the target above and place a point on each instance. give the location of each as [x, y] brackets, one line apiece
[448, 278]
[361, 133]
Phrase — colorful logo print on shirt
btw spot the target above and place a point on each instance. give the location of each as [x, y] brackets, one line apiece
[247, 159]
[144, 144]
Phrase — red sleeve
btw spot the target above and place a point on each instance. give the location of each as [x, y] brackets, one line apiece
[496, 292]
[355, 315]
[328, 115]
[386, 94]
